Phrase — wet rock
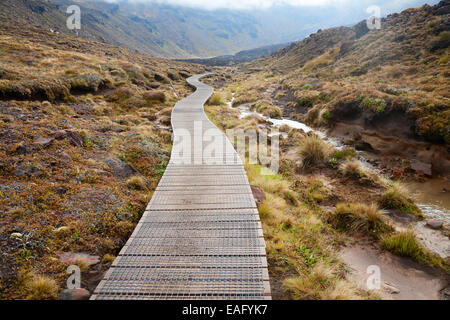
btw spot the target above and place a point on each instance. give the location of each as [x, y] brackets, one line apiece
[258, 194]
[74, 294]
[434, 224]
[73, 258]
[120, 169]
[422, 167]
[44, 142]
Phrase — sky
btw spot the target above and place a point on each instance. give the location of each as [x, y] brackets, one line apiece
[388, 5]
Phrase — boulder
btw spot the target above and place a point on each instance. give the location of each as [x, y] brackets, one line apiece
[120, 169]
[434, 224]
[74, 294]
[44, 142]
[422, 167]
[74, 257]
[258, 194]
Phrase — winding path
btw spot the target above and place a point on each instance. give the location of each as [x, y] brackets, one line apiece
[200, 236]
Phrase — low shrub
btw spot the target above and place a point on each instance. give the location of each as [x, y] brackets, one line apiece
[155, 96]
[87, 82]
[215, 100]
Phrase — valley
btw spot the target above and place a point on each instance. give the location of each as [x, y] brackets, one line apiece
[361, 116]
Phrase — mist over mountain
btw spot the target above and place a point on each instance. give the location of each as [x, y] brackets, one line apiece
[195, 29]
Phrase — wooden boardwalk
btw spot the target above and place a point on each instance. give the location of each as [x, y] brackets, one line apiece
[200, 236]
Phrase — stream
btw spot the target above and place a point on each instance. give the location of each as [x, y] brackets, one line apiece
[431, 196]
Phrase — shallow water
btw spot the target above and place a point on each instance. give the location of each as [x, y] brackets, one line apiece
[431, 200]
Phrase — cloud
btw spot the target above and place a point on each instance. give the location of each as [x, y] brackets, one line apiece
[242, 4]
[388, 5]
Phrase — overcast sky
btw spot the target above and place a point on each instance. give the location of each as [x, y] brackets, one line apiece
[387, 6]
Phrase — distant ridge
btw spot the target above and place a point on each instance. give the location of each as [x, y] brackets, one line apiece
[241, 56]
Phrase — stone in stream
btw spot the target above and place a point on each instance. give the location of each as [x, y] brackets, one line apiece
[422, 167]
[434, 224]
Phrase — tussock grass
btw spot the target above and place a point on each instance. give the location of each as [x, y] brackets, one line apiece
[137, 183]
[396, 198]
[215, 100]
[359, 218]
[314, 150]
[38, 287]
[406, 244]
[353, 168]
[321, 283]
[270, 111]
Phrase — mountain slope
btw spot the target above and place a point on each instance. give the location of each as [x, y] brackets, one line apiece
[385, 90]
[175, 31]
[84, 139]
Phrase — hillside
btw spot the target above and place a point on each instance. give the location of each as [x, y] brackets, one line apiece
[155, 29]
[386, 91]
[84, 138]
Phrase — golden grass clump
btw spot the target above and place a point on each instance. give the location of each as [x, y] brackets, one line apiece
[215, 100]
[38, 287]
[396, 198]
[406, 244]
[358, 218]
[314, 150]
[137, 183]
[320, 283]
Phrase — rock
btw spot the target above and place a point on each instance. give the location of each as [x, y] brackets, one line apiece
[422, 167]
[388, 287]
[258, 194]
[120, 169]
[74, 294]
[434, 224]
[44, 142]
[75, 138]
[73, 258]
[16, 235]
[60, 134]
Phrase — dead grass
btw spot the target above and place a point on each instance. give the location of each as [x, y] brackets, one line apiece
[38, 287]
